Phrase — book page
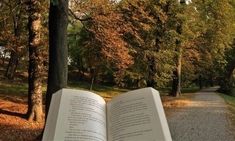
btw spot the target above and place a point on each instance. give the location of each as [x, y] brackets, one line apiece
[137, 116]
[51, 121]
[82, 117]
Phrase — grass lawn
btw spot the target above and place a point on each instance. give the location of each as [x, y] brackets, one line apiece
[190, 90]
[21, 89]
[110, 91]
[102, 90]
[10, 88]
[230, 100]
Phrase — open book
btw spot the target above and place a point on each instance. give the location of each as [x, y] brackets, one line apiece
[77, 115]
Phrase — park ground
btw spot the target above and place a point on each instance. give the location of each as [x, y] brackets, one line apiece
[197, 116]
[205, 116]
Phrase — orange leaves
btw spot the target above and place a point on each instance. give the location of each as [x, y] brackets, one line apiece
[107, 29]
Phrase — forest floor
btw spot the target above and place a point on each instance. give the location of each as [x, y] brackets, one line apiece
[13, 124]
[13, 106]
[204, 116]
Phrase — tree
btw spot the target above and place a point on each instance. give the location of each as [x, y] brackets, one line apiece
[207, 39]
[177, 19]
[216, 37]
[226, 83]
[58, 52]
[36, 66]
[187, 25]
[102, 38]
[150, 41]
[13, 34]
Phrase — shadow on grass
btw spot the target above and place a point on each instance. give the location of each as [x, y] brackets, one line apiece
[9, 113]
[15, 99]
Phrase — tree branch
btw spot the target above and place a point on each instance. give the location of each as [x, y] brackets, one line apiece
[78, 18]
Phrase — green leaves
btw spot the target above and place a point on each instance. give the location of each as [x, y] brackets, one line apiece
[156, 33]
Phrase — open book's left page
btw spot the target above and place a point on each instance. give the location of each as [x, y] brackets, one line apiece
[81, 117]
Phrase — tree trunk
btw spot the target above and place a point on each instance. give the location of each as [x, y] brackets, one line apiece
[151, 72]
[12, 65]
[92, 82]
[93, 75]
[36, 66]
[176, 84]
[200, 82]
[58, 52]
[211, 81]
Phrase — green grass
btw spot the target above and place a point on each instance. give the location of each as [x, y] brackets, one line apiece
[190, 90]
[230, 100]
[21, 89]
[13, 88]
[110, 91]
[104, 91]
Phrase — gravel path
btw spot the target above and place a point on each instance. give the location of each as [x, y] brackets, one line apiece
[205, 118]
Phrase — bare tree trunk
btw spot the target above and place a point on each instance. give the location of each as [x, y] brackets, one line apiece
[58, 51]
[36, 67]
[176, 84]
[93, 75]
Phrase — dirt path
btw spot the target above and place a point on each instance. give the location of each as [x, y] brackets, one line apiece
[204, 118]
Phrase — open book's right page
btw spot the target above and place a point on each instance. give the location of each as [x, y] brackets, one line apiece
[137, 116]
